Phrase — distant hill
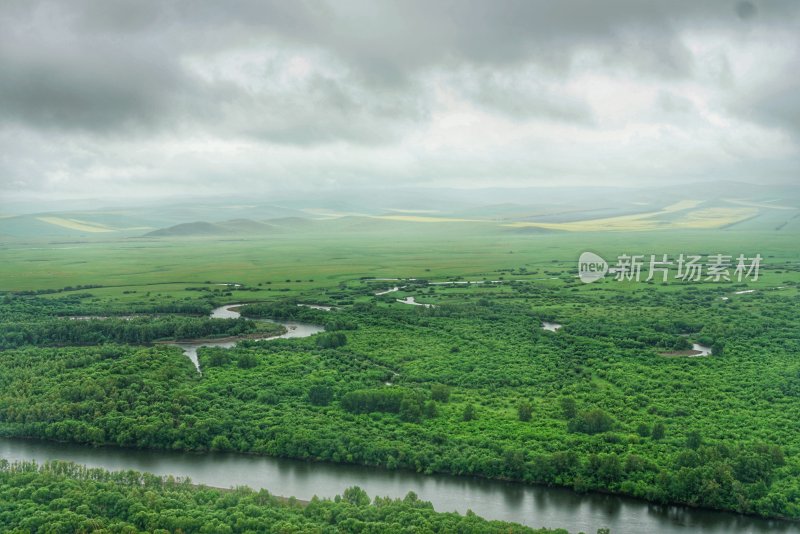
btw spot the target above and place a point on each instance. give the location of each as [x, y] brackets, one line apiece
[290, 222]
[726, 206]
[246, 226]
[203, 228]
[69, 225]
[188, 229]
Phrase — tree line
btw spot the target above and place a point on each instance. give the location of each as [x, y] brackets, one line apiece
[66, 497]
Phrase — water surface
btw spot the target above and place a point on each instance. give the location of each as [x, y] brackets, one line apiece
[550, 327]
[535, 506]
[293, 330]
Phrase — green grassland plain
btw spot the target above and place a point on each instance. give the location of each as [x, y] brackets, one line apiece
[320, 259]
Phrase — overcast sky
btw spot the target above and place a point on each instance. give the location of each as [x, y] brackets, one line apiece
[133, 99]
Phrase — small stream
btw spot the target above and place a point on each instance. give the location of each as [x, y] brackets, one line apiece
[551, 327]
[702, 350]
[293, 330]
[413, 302]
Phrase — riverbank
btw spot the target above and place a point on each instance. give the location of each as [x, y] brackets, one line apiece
[696, 351]
[491, 498]
[178, 505]
[689, 353]
[227, 339]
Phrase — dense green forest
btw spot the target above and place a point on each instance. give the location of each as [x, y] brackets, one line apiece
[16, 306]
[137, 330]
[65, 497]
[472, 386]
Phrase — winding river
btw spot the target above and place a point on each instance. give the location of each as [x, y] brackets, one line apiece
[293, 329]
[536, 506]
[701, 350]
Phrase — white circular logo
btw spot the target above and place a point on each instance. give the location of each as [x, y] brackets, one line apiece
[591, 267]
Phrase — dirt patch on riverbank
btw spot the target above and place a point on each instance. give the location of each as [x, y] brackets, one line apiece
[256, 335]
[684, 353]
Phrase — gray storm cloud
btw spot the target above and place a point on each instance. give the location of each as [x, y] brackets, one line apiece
[122, 97]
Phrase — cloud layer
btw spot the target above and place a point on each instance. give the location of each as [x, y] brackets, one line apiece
[142, 98]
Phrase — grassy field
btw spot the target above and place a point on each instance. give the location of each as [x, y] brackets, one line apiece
[313, 260]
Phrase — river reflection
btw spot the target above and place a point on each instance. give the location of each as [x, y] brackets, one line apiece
[535, 506]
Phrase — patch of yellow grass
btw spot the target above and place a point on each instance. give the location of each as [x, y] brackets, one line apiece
[637, 221]
[714, 217]
[397, 210]
[422, 219]
[332, 214]
[681, 205]
[74, 224]
[89, 223]
[766, 205]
